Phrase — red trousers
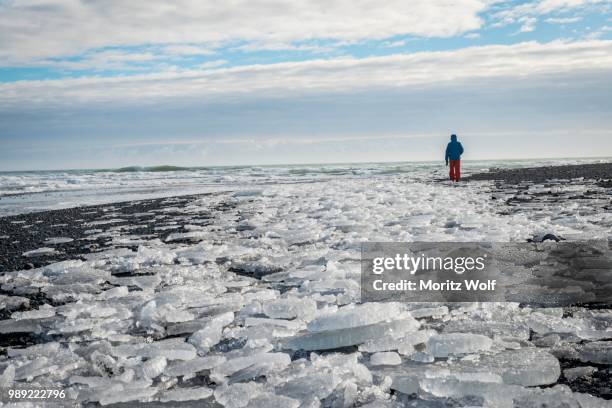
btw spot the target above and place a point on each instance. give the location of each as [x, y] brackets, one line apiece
[455, 169]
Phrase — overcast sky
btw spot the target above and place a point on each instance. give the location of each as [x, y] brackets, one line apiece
[99, 84]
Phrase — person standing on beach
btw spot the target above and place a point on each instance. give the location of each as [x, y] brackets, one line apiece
[454, 150]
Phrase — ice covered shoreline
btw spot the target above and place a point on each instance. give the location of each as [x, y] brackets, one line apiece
[34, 191]
[251, 298]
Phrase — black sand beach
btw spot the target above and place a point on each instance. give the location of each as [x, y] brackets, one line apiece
[83, 225]
[601, 173]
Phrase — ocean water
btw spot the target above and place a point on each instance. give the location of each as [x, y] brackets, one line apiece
[30, 191]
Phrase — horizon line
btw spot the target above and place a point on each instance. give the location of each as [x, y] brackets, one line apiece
[178, 167]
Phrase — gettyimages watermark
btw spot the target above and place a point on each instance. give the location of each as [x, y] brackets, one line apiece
[549, 273]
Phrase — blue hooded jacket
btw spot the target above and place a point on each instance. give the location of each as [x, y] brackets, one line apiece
[454, 150]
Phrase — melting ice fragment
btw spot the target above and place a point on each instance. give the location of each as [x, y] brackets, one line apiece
[237, 395]
[211, 334]
[40, 252]
[527, 366]
[171, 349]
[7, 377]
[318, 385]
[444, 345]
[186, 394]
[332, 339]
[290, 308]
[404, 344]
[193, 236]
[385, 358]
[578, 372]
[598, 352]
[278, 360]
[269, 400]
[186, 368]
[126, 395]
[355, 316]
[153, 367]
[58, 240]
[44, 312]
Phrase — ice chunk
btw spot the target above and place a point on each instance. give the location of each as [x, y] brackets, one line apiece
[104, 364]
[211, 334]
[33, 369]
[557, 396]
[62, 267]
[318, 385]
[578, 372]
[345, 395]
[154, 256]
[237, 395]
[351, 336]
[527, 366]
[248, 193]
[435, 312]
[13, 302]
[126, 395]
[261, 359]
[405, 344]
[495, 395]
[116, 292]
[58, 240]
[7, 377]
[444, 345]
[169, 314]
[37, 350]
[290, 308]
[347, 365]
[289, 324]
[146, 282]
[20, 326]
[186, 394]
[172, 350]
[421, 357]
[356, 315]
[40, 252]
[385, 358]
[489, 328]
[104, 222]
[550, 340]
[193, 236]
[269, 400]
[193, 366]
[598, 352]
[154, 366]
[43, 312]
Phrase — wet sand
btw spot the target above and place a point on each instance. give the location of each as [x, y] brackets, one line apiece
[84, 226]
[601, 173]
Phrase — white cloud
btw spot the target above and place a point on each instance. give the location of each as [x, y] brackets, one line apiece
[528, 24]
[150, 59]
[563, 20]
[212, 64]
[186, 50]
[289, 79]
[281, 46]
[528, 13]
[547, 6]
[39, 29]
[394, 44]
